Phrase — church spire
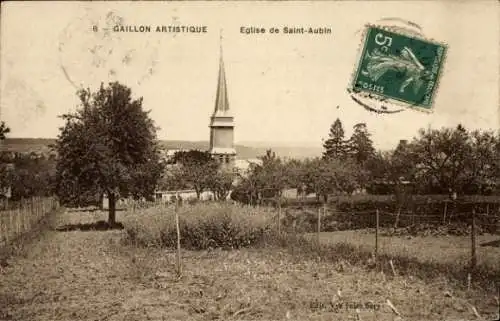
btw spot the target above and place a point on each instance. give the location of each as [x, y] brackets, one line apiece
[221, 100]
[222, 122]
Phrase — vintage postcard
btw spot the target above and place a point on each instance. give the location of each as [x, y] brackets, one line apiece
[250, 160]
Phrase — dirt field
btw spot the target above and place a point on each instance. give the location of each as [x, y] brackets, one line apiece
[93, 276]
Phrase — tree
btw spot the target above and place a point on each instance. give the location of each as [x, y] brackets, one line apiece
[360, 144]
[272, 176]
[108, 145]
[247, 189]
[220, 183]
[32, 177]
[335, 146]
[480, 165]
[393, 167]
[196, 168]
[495, 168]
[263, 181]
[331, 176]
[192, 157]
[3, 130]
[441, 158]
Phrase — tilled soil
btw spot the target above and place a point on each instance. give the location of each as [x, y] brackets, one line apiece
[91, 275]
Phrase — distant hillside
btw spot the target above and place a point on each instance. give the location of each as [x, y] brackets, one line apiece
[244, 151]
[24, 145]
[249, 151]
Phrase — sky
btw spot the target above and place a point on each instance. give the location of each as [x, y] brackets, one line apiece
[283, 88]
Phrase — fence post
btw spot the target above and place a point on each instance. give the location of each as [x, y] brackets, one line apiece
[473, 261]
[18, 221]
[376, 234]
[444, 212]
[319, 223]
[3, 229]
[10, 228]
[279, 215]
[22, 217]
[179, 268]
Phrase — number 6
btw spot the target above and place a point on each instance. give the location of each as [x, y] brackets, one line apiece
[387, 40]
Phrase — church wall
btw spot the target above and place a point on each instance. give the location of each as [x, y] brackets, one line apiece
[223, 137]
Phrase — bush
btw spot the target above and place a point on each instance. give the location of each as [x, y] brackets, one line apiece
[202, 226]
[422, 213]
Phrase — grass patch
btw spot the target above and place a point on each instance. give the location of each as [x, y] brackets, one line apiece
[226, 226]
[202, 226]
[484, 276]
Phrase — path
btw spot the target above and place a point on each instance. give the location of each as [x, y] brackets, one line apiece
[70, 276]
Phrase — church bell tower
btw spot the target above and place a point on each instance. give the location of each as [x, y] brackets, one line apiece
[222, 122]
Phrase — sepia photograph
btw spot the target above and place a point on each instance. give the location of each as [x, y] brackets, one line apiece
[250, 160]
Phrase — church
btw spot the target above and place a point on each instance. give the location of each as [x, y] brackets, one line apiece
[222, 122]
[221, 140]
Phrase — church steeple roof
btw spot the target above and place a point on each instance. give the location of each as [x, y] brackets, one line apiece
[221, 100]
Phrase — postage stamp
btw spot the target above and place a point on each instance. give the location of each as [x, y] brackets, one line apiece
[398, 68]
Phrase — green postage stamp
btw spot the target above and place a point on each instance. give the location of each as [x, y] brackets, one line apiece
[398, 68]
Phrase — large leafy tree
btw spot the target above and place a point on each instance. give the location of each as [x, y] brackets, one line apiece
[360, 144]
[108, 145]
[335, 146]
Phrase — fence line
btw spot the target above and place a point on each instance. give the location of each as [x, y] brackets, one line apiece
[22, 218]
[322, 213]
[472, 223]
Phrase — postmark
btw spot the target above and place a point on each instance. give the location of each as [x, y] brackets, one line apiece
[397, 69]
[90, 51]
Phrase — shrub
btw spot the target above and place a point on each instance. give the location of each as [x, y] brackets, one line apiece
[202, 226]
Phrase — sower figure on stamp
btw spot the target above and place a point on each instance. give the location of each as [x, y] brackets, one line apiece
[407, 64]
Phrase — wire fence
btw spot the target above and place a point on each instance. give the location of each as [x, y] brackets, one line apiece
[468, 239]
[22, 216]
[462, 239]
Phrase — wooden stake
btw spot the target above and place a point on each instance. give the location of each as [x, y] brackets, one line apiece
[444, 212]
[376, 235]
[10, 228]
[18, 221]
[392, 267]
[3, 229]
[179, 268]
[473, 240]
[319, 222]
[279, 215]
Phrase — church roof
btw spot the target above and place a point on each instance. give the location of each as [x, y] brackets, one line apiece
[221, 100]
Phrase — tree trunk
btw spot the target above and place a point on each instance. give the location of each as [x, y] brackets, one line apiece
[112, 209]
[101, 201]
